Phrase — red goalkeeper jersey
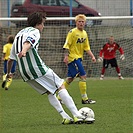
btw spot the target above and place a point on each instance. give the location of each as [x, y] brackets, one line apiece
[109, 50]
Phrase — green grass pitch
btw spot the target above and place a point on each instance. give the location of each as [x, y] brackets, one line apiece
[23, 110]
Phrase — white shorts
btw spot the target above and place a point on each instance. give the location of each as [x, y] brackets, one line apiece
[49, 82]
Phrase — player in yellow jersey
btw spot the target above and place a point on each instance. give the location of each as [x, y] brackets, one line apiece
[76, 43]
[6, 52]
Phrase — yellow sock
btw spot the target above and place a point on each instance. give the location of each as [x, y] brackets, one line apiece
[66, 84]
[4, 77]
[8, 83]
[82, 87]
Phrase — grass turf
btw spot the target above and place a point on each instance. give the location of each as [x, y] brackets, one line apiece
[23, 110]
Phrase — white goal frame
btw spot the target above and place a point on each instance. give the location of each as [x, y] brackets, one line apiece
[70, 18]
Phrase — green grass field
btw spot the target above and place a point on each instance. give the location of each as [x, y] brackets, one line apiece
[23, 110]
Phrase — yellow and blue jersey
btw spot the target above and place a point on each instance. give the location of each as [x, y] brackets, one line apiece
[76, 42]
[6, 50]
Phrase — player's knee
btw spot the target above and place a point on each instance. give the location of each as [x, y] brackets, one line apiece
[82, 78]
[69, 80]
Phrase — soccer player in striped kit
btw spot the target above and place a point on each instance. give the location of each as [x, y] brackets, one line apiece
[36, 73]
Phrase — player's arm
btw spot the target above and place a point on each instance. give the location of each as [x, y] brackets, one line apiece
[26, 47]
[3, 56]
[88, 50]
[101, 53]
[122, 57]
[102, 50]
[66, 53]
[91, 55]
[100, 58]
[121, 50]
[4, 53]
[66, 46]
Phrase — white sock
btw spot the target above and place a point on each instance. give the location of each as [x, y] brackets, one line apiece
[68, 101]
[56, 104]
[119, 74]
[102, 76]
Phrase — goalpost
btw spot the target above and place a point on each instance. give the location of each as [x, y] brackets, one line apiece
[54, 34]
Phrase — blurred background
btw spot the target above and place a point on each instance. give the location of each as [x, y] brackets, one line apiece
[54, 35]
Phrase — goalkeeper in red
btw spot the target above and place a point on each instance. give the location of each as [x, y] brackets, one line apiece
[108, 55]
[76, 43]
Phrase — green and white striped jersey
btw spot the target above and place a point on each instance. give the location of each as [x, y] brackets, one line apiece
[31, 66]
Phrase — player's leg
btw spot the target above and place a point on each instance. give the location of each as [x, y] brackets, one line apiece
[119, 73]
[102, 73]
[68, 101]
[105, 66]
[82, 83]
[50, 82]
[45, 85]
[83, 91]
[9, 80]
[66, 84]
[114, 64]
[56, 104]
[71, 74]
[4, 81]
[65, 97]
[4, 74]
[82, 87]
[8, 83]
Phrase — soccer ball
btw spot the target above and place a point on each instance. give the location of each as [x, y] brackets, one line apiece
[88, 113]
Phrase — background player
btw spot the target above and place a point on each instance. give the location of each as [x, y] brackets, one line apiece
[6, 52]
[76, 43]
[108, 55]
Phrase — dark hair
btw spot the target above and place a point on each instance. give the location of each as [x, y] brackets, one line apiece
[36, 18]
[10, 39]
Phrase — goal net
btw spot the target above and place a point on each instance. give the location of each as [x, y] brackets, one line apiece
[99, 29]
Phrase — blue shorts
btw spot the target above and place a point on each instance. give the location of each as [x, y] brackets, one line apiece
[13, 66]
[75, 68]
